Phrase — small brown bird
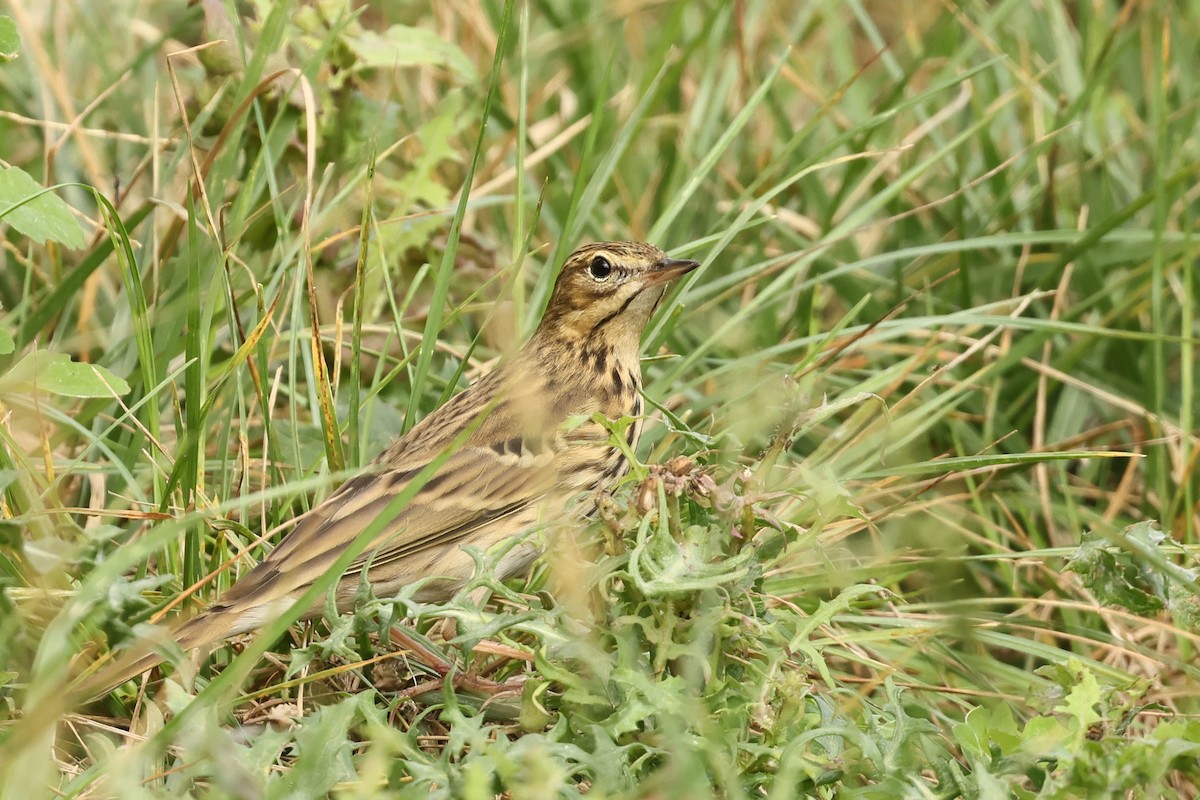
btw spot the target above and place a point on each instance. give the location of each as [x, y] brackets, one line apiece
[519, 467]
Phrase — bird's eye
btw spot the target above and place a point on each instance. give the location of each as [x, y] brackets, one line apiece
[600, 269]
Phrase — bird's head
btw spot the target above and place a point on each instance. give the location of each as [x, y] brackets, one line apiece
[609, 290]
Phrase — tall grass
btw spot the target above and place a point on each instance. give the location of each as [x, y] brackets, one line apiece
[943, 331]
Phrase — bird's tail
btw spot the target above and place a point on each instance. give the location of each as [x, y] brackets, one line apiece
[203, 629]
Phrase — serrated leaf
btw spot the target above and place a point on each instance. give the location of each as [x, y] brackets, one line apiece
[1084, 699]
[45, 217]
[402, 46]
[10, 40]
[1116, 577]
[323, 757]
[58, 374]
[421, 184]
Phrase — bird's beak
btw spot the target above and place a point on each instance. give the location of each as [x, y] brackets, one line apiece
[668, 269]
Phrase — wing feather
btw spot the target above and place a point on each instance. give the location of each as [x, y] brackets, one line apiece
[475, 487]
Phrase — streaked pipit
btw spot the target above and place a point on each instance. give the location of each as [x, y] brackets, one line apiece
[520, 465]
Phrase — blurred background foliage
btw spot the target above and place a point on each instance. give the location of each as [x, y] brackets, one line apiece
[934, 529]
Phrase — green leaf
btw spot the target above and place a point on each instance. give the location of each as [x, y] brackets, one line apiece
[1002, 729]
[972, 733]
[324, 750]
[402, 46]
[1045, 737]
[35, 211]
[6, 342]
[421, 184]
[1084, 700]
[1115, 577]
[10, 40]
[58, 374]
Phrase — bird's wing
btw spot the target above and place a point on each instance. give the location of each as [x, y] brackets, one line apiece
[497, 474]
[477, 485]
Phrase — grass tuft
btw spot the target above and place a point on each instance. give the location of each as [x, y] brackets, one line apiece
[915, 514]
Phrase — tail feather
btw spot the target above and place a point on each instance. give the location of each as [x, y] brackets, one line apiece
[204, 629]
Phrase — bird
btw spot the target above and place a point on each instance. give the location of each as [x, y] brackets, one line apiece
[513, 453]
